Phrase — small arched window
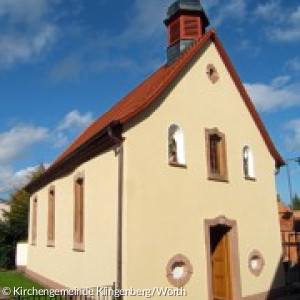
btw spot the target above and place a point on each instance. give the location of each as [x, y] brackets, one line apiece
[176, 154]
[248, 162]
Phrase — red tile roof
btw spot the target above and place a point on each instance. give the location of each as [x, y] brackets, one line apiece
[148, 91]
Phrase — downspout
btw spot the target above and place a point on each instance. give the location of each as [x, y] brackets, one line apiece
[120, 152]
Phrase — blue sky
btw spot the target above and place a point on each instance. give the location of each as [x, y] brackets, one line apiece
[64, 62]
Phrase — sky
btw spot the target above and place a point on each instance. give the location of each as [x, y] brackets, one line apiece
[65, 62]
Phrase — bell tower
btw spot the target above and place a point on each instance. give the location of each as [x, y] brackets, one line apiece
[186, 22]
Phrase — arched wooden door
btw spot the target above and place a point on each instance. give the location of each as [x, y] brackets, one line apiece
[221, 264]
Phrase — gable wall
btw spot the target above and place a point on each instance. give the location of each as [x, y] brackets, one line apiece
[165, 207]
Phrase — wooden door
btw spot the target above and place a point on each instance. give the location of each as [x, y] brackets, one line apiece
[220, 256]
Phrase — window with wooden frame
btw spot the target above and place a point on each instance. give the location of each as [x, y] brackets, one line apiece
[79, 213]
[34, 221]
[51, 218]
[216, 155]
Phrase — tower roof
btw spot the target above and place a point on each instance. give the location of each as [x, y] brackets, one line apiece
[187, 5]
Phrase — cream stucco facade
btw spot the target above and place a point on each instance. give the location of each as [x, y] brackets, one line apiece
[97, 264]
[165, 207]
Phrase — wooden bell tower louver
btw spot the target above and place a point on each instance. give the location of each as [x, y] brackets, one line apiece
[186, 22]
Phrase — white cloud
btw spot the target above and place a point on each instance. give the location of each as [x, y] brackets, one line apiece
[96, 51]
[26, 31]
[14, 143]
[280, 81]
[23, 10]
[293, 64]
[17, 47]
[146, 20]
[72, 123]
[276, 95]
[269, 10]
[144, 25]
[60, 139]
[19, 140]
[249, 46]
[293, 139]
[283, 21]
[69, 68]
[221, 11]
[10, 180]
[75, 119]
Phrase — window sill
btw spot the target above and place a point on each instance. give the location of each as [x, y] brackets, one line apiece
[78, 248]
[250, 178]
[219, 178]
[50, 244]
[183, 166]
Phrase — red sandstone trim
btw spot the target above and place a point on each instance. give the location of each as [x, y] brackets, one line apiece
[46, 282]
[21, 269]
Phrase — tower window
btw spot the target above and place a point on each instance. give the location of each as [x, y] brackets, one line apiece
[248, 163]
[216, 155]
[174, 32]
[176, 154]
[191, 27]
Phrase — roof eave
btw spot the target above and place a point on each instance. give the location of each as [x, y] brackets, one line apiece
[97, 144]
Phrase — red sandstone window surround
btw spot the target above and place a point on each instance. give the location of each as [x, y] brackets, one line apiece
[216, 155]
[51, 218]
[79, 213]
[34, 221]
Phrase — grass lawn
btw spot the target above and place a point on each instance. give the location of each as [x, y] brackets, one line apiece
[13, 279]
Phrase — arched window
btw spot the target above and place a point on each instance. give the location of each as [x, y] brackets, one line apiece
[176, 154]
[248, 162]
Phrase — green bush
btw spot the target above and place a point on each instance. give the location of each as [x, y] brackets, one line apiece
[7, 256]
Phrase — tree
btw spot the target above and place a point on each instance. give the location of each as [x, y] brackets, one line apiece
[279, 198]
[15, 226]
[296, 202]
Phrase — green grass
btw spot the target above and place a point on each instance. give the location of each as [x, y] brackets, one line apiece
[13, 279]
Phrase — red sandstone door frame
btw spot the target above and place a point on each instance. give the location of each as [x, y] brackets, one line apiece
[234, 255]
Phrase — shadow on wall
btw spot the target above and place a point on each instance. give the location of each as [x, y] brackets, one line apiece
[286, 274]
